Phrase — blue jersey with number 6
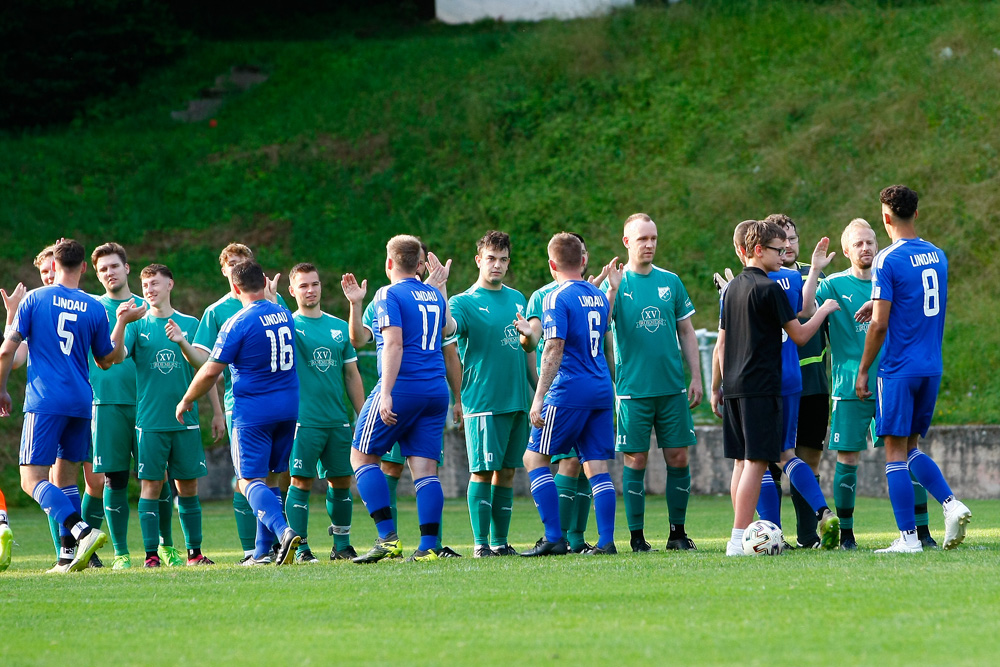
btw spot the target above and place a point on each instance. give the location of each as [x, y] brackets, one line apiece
[577, 312]
[912, 275]
[61, 325]
[420, 311]
[258, 343]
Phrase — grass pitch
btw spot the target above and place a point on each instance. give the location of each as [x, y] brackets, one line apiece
[806, 607]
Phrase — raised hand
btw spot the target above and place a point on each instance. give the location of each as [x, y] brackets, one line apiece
[128, 312]
[522, 325]
[438, 272]
[13, 300]
[271, 288]
[614, 273]
[354, 292]
[820, 259]
[174, 332]
[864, 313]
[722, 280]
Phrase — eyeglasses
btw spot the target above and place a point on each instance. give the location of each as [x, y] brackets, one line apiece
[780, 251]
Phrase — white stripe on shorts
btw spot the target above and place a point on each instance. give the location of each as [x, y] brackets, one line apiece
[366, 433]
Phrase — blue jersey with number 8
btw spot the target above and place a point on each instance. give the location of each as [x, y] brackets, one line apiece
[577, 313]
[912, 274]
[420, 311]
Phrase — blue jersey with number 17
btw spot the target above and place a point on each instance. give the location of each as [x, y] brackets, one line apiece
[258, 343]
[912, 275]
[61, 325]
[420, 311]
[577, 312]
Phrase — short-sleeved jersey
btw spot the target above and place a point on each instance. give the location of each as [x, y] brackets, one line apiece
[322, 347]
[115, 386]
[847, 337]
[162, 373]
[754, 312]
[494, 367]
[535, 310]
[212, 320]
[421, 312]
[368, 322]
[811, 358]
[644, 328]
[912, 274]
[577, 313]
[791, 374]
[258, 344]
[62, 326]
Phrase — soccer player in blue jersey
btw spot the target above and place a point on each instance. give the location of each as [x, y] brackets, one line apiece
[258, 346]
[61, 324]
[573, 405]
[910, 290]
[409, 404]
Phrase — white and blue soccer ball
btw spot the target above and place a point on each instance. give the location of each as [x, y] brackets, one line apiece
[762, 538]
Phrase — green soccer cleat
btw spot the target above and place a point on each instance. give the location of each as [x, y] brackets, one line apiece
[6, 546]
[829, 530]
[384, 548]
[87, 547]
[170, 556]
[123, 562]
[422, 556]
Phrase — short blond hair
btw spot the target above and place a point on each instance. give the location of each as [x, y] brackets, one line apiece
[45, 254]
[641, 217]
[235, 250]
[857, 223]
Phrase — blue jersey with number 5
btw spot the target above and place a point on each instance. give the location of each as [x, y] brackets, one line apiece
[61, 325]
[420, 311]
[577, 312]
[258, 343]
[912, 275]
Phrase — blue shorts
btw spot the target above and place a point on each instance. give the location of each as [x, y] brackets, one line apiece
[419, 425]
[262, 449]
[905, 406]
[789, 420]
[591, 432]
[45, 438]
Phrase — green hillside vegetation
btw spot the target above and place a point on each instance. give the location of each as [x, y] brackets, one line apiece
[699, 114]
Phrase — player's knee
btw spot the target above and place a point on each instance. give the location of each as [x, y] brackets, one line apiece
[504, 477]
[848, 458]
[484, 477]
[676, 457]
[637, 460]
[569, 467]
[116, 481]
[302, 483]
[186, 487]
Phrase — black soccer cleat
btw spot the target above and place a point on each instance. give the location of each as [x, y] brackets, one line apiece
[681, 544]
[347, 553]
[608, 550]
[641, 547]
[505, 550]
[583, 548]
[850, 544]
[447, 552]
[290, 541]
[482, 551]
[94, 562]
[545, 548]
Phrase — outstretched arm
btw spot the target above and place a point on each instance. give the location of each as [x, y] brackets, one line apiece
[873, 343]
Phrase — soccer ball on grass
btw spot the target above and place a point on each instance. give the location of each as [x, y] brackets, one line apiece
[762, 538]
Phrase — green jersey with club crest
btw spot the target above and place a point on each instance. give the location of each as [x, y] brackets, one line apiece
[162, 373]
[116, 385]
[322, 347]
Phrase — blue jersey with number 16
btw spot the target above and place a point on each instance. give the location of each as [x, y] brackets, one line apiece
[912, 274]
[258, 343]
[577, 312]
[420, 312]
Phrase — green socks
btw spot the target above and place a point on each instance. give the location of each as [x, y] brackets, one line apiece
[566, 488]
[54, 531]
[92, 509]
[297, 512]
[393, 483]
[503, 507]
[581, 512]
[166, 517]
[480, 512]
[189, 510]
[634, 492]
[116, 509]
[845, 484]
[246, 522]
[340, 507]
[678, 493]
[149, 522]
[919, 502]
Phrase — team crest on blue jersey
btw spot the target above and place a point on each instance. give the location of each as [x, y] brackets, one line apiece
[166, 361]
[651, 320]
[664, 293]
[322, 359]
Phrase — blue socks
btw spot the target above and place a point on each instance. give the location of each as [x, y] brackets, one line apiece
[804, 480]
[543, 491]
[267, 506]
[55, 503]
[374, 492]
[927, 473]
[72, 494]
[430, 503]
[604, 508]
[901, 495]
[769, 502]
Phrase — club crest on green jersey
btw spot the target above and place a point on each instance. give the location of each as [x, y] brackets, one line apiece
[511, 337]
[165, 362]
[664, 293]
[651, 320]
[322, 359]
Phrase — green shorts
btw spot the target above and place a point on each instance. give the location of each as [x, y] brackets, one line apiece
[322, 451]
[180, 451]
[112, 433]
[851, 425]
[394, 455]
[670, 416]
[495, 442]
[571, 454]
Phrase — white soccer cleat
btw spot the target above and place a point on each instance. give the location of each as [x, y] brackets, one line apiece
[956, 518]
[734, 549]
[902, 546]
[87, 547]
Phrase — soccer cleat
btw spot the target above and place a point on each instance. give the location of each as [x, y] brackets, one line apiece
[928, 542]
[829, 530]
[681, 544]
[849, 545]
[639, 546]
[347, 553]
[58, 569]
[94, 562]
[956, 518]
[245, 560]
[87, 547]
[306, 557]
[152, 561]
[483, 551]
[384, 548]
[545, 548]
[447, 552]
[123, 562]
[734, 549]
[200, 559]
[785, 546]
[422, 556]
[609, 550]
[290, 541]
[505, 550]
[250, 561]
[581, 548]
[900, 546]
[6, 546]
[810, 544]
[170, 556]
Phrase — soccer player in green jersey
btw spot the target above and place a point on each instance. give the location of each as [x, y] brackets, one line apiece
[495, 393]
[158, 344]
[327, 365]
[651, 316]
[208, 331]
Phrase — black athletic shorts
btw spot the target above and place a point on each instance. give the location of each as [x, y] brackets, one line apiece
[751, 428]
[814, 420]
